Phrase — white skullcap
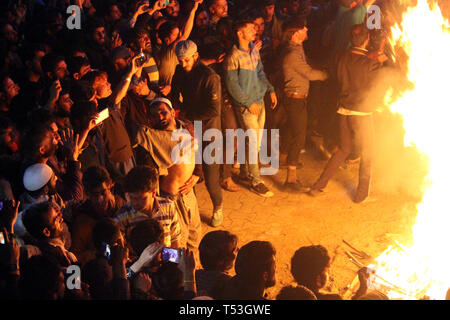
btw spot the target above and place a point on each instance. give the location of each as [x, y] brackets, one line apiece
[36, 176]
[163, 100]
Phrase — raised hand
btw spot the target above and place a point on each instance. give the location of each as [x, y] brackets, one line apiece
[13, 252]
[150, 253]
[71, 143]
[9, 214]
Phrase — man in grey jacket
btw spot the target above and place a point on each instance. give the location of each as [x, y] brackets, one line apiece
[296, 75]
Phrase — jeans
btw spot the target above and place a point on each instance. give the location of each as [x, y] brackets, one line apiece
[228, 122]
[361, 127]
[297, 117]
[247, 121]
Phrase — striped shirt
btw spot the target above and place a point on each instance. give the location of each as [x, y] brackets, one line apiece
[151, 69]
[164, 211]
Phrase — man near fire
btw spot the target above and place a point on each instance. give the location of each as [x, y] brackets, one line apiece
[355, 73]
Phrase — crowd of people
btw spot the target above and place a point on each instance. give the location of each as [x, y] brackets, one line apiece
[86, 123]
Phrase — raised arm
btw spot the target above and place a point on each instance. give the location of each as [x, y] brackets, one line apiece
[187, 28]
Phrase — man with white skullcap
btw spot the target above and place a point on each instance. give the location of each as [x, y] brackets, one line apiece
[39, 181]
[200, 87]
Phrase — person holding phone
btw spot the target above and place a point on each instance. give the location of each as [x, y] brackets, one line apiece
[95, 87]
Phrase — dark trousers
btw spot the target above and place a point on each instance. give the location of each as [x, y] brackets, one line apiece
[211, 172]
[361, 128]
[296, 125]
[212, 181]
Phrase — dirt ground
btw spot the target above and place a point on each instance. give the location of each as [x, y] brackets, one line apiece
[290, 221]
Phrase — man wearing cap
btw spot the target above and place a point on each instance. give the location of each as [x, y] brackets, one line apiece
[296, 74]
[201, 90]
[40, 184]
[154, 145]
[170, 34]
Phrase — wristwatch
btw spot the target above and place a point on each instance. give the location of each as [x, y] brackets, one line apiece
[130, 273]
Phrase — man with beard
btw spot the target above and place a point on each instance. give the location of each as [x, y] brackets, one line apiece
[101, 203]
[176, 180]
[40, 185]
[44, 222]
[200, 89]
[39, 146]
[170, 34]
[55, 70]
[140, 42]
[62, 108]
[218, 10]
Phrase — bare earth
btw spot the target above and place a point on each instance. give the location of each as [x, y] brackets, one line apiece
[290, 221]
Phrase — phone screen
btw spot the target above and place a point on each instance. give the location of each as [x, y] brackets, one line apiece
[104, 114]
[172, 255]
[2, 238]
[166, 2]
[106, 249]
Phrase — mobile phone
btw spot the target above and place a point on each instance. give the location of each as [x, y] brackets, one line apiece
[141, 60]
[106, 250]
[2, 238]
[102, 116]
[165, 3]
[172, 255]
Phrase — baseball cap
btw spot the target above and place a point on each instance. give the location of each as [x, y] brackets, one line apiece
[185, 49]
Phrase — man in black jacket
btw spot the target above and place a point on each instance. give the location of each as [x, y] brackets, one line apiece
[355, 73]
[201, 90]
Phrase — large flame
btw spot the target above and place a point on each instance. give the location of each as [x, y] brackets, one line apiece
[424, 267]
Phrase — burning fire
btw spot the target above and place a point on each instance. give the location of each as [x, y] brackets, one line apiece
[424, 267]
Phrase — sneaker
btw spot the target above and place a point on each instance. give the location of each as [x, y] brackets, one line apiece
[217, 217]
[296, 187]
[244, 180]
[316, 192]
[261, 190]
